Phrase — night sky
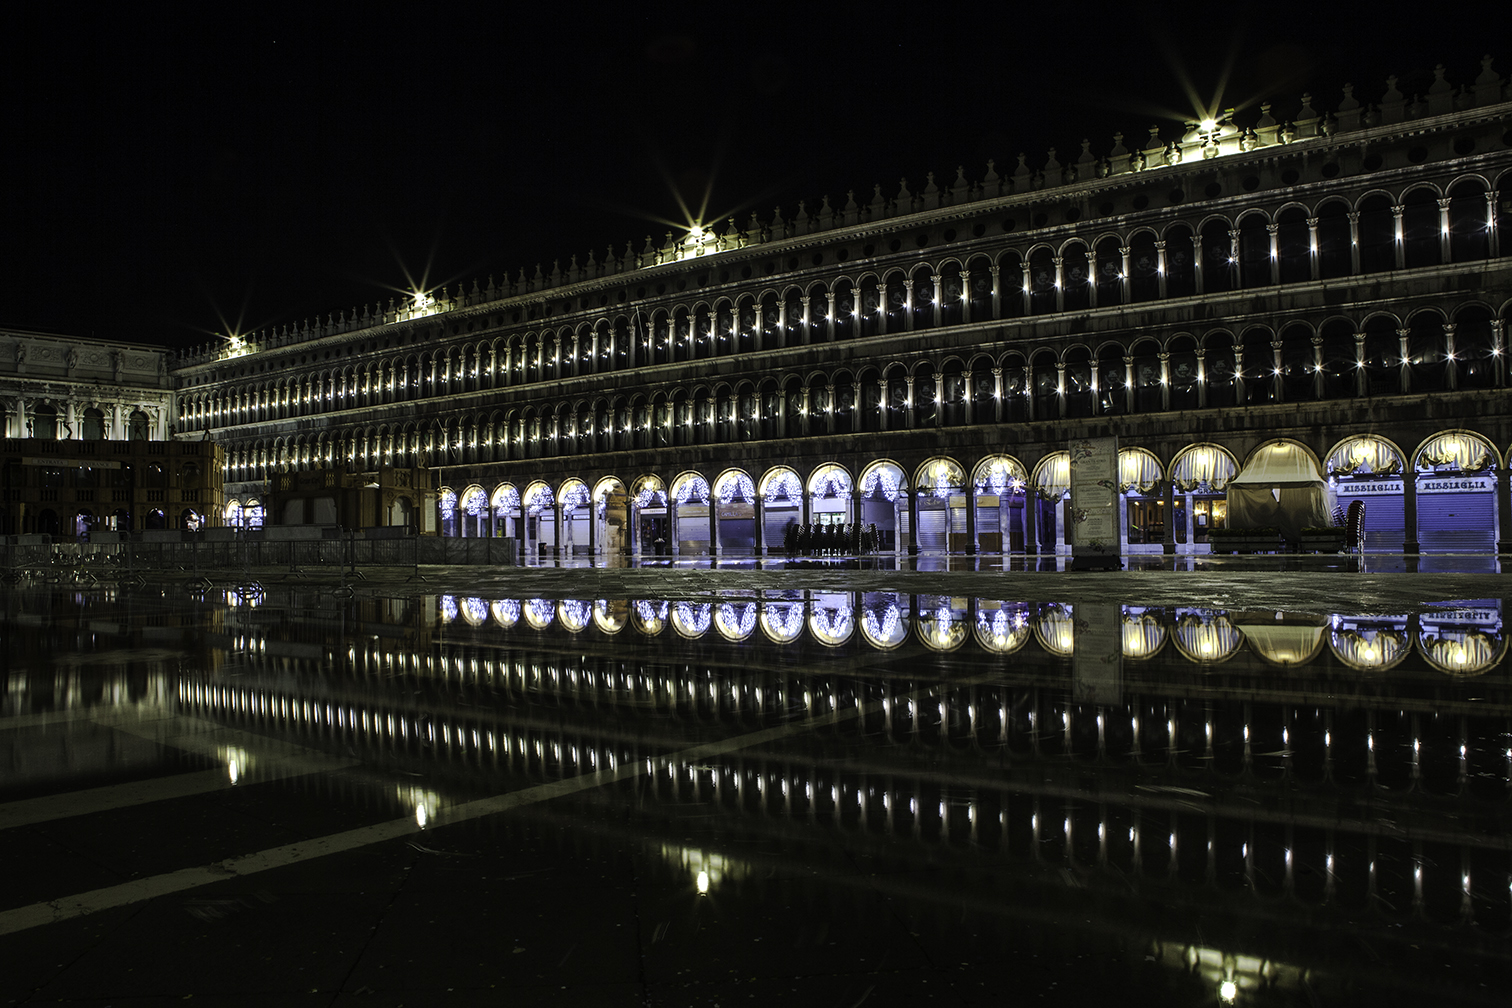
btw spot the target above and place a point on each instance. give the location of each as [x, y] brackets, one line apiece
[172, 172]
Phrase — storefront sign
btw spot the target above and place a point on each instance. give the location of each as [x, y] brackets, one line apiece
[70, 463]
[1426, 485]
[1369, 487]
[1456, 484]
[987, 500]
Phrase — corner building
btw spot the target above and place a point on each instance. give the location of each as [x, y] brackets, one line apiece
[1323, 287]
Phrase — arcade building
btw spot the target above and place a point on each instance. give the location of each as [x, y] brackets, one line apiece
[1318, 291]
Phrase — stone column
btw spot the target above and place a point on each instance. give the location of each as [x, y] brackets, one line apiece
[829, 316]
[971, 526]
[559, 534]
[1278, 388]
[1406, 368]
[806, 321]
[1499, 351]
[1024, 287]
[1317, 345]
[968, 398]
[1409, 508]
[1493, 234]
[756, 337]
[1031, 521]
[1399, 244]
[1360, 376]
[997, 293]
[1060, 282]
[908, 305]
[1168, 538]
[997, 395]
[829, 410]
[881, 308]
[1197, 262]
[1201, 379]
[715, 549]
[939, 403]
[1451, 363]
[883, 404]
[672, 530]
[1314, 262]
[1160, 267]
[807, 413]
[1354, 242]
[1444, 250]
[759, 505]
[1272, 231]
[1125, 289]
[1233, 263]
[908, 405]
[965, 296]
[913, 522]
[1165, 381]
[1060, 389]
[1503, 509]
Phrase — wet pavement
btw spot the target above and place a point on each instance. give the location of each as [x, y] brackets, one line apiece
[1272, 783]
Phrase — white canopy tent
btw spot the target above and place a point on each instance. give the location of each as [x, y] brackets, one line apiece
[1281, 486]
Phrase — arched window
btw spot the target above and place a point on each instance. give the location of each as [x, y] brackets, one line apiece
[1294, 245]
[137, 427]
[44, 421]
[1334, 241]
[1377, 235]
[94, 425]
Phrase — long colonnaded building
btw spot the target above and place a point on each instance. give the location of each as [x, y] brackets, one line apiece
[1323, 289]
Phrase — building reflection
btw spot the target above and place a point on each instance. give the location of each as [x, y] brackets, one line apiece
[1285, 775]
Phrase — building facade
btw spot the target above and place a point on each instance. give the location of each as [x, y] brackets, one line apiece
[1332, 285]
[86, 443]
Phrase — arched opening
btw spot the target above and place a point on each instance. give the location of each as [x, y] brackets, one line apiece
[1455, 479]
[1469, 221]
[998, 488]
[1383, 356]
[1149, 388]
[1335, 257]
[1199, 476]
[1144, 267]
[472, 513]
[782, 507]
[1076, 278]
[44, 421]
[690, 517]
[829, 493]
[650, 528]
[940, 502]
[1139, 480]
[1080, 399]
[883, 485]
[1294, 245]
[735, 506]
[1182, 384]
[540, 526]
[1422, 233]
[1051, 484]
[1377, 230]
[1368, 469]
[1181, 272]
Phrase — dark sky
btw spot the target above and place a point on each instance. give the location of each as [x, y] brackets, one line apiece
[171, 172]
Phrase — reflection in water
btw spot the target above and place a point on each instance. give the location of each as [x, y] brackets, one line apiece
[1279, 779]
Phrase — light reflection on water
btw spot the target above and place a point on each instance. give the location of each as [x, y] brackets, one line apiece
[1286, 774]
